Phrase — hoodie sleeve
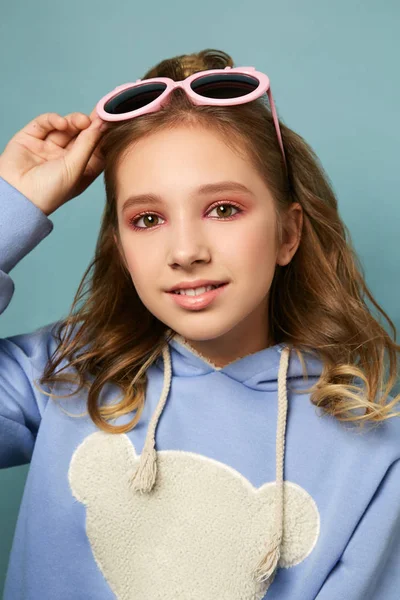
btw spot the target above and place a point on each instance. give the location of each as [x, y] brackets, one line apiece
[22, 226]
[369, 568]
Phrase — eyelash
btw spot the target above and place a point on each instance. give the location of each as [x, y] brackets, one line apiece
[222, 203]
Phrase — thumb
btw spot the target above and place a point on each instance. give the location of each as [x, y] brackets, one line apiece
[84, 146]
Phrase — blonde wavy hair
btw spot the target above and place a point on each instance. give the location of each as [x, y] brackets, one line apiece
[317, 301]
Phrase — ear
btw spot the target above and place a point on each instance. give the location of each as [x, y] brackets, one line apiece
[100, 457]
[291, 234]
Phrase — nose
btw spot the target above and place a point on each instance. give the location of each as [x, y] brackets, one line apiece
[188, 245]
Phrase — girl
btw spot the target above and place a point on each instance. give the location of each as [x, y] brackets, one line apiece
[188, 459]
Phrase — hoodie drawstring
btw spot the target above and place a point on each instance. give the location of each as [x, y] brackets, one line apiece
[269, 564]
[145, 475]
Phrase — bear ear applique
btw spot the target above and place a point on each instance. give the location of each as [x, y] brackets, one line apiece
[98, 461]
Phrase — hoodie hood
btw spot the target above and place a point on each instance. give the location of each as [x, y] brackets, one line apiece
[273, 368]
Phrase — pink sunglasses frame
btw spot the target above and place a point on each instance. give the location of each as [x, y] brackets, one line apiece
[263, 86]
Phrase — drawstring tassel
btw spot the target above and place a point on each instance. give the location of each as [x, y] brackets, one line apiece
[269, 563]
[144, 477]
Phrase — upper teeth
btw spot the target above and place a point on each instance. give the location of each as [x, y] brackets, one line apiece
[195, 291]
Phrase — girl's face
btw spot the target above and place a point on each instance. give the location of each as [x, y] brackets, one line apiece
[186, 236]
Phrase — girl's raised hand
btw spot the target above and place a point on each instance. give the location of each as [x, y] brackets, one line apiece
[54, 159]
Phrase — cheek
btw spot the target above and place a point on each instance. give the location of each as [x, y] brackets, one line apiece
[140, 270]
[252, 247]
[139, 263]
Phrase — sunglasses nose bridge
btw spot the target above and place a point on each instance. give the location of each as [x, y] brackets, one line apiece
[178, 84]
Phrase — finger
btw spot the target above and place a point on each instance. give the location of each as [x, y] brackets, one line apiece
[76, 123]
[42, 125]
[97, 160]
[95, 166]
[83, 148]
[93, 115]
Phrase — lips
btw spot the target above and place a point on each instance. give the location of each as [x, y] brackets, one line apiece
[198, 302]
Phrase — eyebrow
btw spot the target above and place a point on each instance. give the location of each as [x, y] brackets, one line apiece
[208, 188]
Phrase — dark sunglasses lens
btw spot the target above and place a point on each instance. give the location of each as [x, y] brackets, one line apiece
[134, 98]
[224, 85]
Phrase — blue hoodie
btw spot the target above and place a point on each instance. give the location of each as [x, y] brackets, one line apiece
[232, 486]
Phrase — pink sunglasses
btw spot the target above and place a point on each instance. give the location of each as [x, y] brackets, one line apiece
[216, 87]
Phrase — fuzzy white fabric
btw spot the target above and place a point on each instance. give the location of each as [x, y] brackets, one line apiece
[196, 536]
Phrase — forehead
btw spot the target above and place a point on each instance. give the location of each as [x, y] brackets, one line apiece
[184, 158]
[166, 146]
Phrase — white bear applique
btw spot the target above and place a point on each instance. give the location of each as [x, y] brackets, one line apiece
[196, 536]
